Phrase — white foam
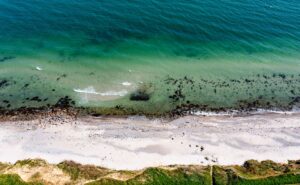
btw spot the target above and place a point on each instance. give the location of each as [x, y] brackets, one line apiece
[88, 90]
[126, 83]
[91, 90]
[262, 111]
[203, 113]
[38, 68]
[114, 93]
[236, 112]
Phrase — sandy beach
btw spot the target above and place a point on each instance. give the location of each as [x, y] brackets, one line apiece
[137, 142]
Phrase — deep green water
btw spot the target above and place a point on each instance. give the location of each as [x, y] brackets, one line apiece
[217, 54]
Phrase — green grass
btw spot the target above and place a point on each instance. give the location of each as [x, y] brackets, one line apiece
[76, 170]
[13, 179]
[257, 173]
[275, 180]
[253, 169]
[219, 176]
[31, 162]
[251, 173]
[3, 166]
[156, 176]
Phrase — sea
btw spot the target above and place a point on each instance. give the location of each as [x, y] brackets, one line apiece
[150, 56]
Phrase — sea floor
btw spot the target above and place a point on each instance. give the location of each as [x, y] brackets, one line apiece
[146, 80]
[139, 142]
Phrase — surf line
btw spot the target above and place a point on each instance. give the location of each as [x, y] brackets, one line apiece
[91, 90]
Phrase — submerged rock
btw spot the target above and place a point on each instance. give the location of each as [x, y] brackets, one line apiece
[139, 96]
[6, 58]
[3, 83]
[36, 98]
[65, 102]
[142, 93]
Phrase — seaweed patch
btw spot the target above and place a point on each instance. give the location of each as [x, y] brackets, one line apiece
[4, 83]
[139, 96]
[3, 59]
[142, 93]
[65, 102]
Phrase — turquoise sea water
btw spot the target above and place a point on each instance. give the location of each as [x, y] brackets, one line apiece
[104, 53]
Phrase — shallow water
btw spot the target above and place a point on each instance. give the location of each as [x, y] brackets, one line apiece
[217, 54]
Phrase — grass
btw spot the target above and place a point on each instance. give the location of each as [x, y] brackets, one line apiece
[3, 166]
[251, 173]
[253, 168]
[219, 176]
[76, 170]
[289, 178]
[258, 173]
[157, 176]
[31, 162]
[13, 179]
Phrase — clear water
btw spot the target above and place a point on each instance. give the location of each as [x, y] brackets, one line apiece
[100, 52]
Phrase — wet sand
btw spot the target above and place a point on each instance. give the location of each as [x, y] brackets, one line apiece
[138, 142]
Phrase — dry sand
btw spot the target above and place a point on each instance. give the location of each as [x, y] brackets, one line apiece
[137, 142]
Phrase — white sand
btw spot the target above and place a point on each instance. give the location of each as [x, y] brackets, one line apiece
[136, 142]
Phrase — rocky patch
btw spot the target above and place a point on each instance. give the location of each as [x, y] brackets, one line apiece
[4, 59]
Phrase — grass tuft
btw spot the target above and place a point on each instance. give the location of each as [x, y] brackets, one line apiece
[13, 179]
[76, 170]
[31, 162]
[154, 176]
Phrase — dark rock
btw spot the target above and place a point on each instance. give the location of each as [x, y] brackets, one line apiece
[64, 102]
[6, 58]
[283, 76]
[36, 98]
[5, 101]
[295, 100]
[3, 83]
[139, 96]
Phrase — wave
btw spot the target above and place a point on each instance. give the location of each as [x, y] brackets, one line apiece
[91, 90]
[126, 83]
[38, 68]
[114, 93]
[238, 112]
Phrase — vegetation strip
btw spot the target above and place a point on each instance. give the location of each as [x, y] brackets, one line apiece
[251, 173]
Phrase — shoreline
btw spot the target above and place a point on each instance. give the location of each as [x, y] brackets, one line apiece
[144, 142]
[32, 113]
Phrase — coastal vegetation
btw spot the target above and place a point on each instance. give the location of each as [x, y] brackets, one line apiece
[252, 172]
